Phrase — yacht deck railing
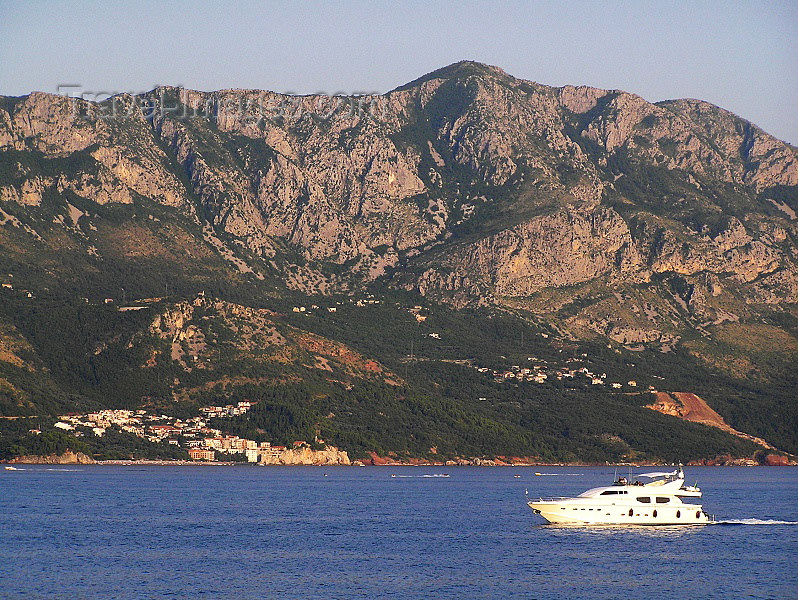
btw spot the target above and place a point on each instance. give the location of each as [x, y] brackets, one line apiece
[550, 498]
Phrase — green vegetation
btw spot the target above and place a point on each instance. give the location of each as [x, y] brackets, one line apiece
[473, 416]
[44, 444]
[424, 405]
[17, 440]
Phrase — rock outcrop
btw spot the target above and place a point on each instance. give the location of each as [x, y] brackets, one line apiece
[255, 335]
[67, 458]
[566, 248]
[305, 456]
[107, 158]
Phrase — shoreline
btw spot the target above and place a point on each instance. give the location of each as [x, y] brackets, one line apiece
[165, 463]
[306, 457]
[191, 463]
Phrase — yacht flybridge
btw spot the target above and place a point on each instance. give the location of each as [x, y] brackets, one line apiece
[655, 502]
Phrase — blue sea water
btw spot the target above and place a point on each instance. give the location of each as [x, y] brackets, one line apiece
[347, 532]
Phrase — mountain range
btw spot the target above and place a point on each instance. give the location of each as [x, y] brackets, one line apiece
[374, 255]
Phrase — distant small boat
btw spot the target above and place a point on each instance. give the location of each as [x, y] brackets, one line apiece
[538, 474]
[517, 476]
[12, 469]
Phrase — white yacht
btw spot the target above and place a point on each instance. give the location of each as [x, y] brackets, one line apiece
[655, 502]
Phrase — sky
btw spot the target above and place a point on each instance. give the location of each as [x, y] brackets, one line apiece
[742, 56]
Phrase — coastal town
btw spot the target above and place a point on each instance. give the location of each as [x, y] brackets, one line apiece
[202, 442]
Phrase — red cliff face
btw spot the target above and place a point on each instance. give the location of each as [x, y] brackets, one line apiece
[777, 460]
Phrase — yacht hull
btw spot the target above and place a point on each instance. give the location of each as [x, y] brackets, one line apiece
[564, 513]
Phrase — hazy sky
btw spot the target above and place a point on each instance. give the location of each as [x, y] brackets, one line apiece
[742, 56]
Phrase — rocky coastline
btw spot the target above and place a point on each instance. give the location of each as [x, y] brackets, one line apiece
[67, 458]
[332, 456]
[768, 460]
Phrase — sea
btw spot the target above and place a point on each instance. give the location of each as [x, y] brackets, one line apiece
[241, 532]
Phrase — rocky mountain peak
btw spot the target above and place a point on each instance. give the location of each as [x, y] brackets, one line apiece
[467, 159]
[460, 71]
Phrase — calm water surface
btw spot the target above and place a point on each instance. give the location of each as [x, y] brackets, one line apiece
[341, 532]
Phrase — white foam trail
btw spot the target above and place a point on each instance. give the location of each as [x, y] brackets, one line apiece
[754, 522]
[559, 474]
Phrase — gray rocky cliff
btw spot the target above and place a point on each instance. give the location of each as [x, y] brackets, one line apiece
[467, 184]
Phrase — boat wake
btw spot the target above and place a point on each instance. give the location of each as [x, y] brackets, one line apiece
[66, 470]
[559, 474]
[753, 522]
[435, 476]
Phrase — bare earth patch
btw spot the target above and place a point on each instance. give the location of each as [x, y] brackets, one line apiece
[689, 407]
